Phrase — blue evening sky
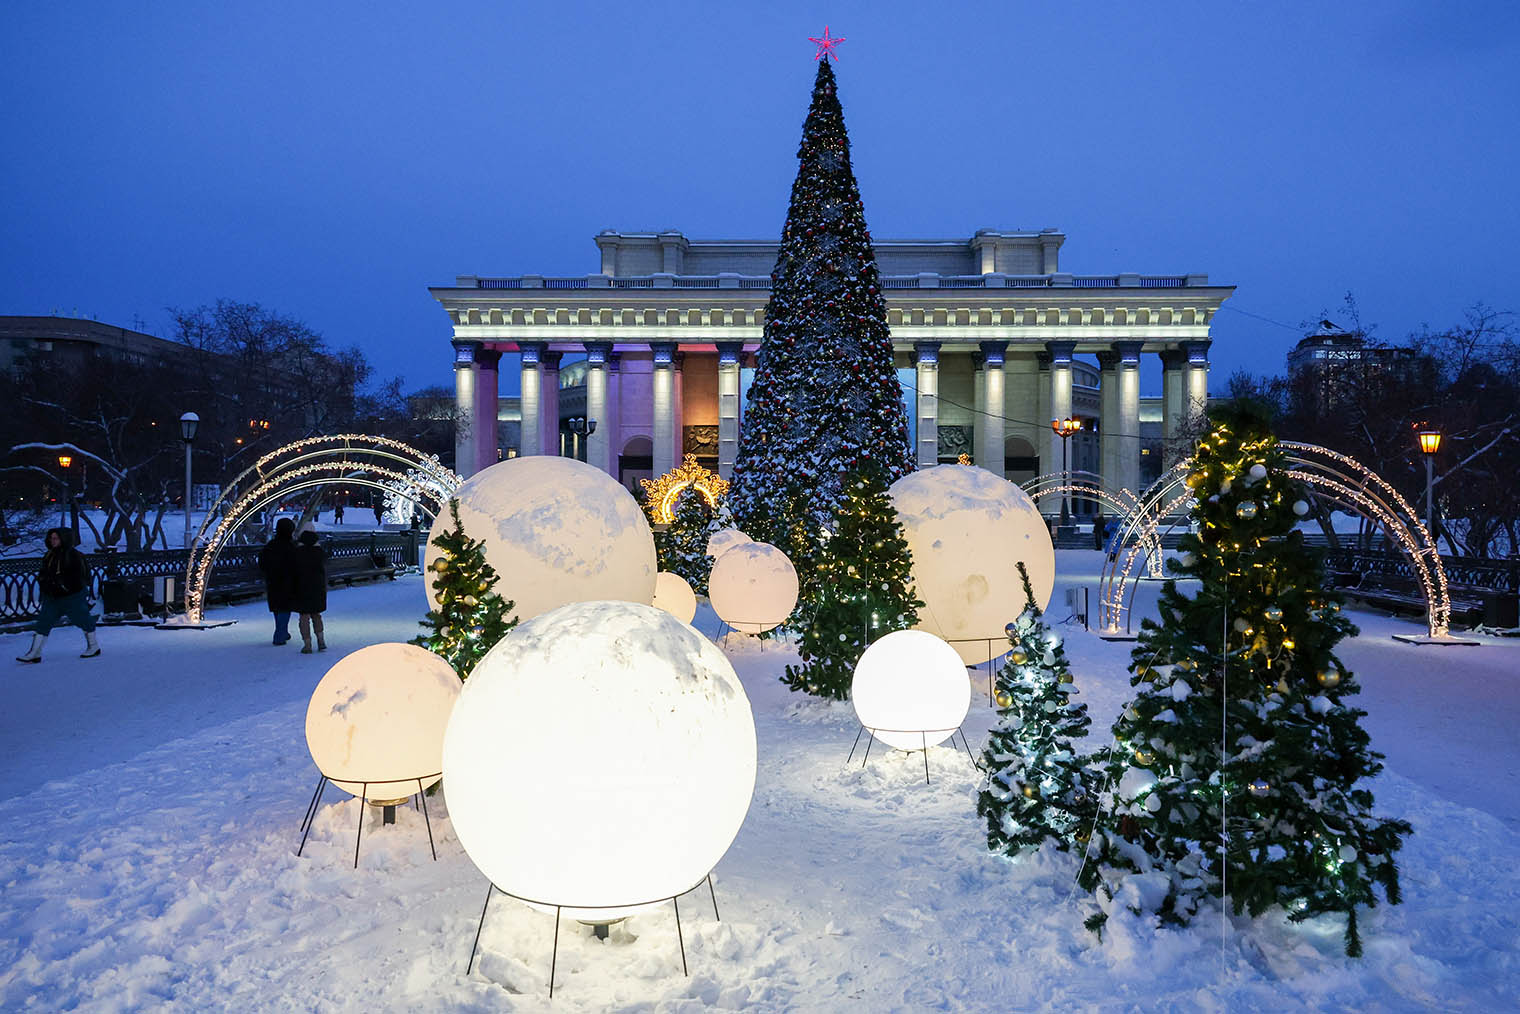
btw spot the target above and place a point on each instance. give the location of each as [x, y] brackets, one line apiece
[330, 160]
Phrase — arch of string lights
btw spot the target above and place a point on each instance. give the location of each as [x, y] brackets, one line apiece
[1331, 474]
[1089, 486]
[352, 458]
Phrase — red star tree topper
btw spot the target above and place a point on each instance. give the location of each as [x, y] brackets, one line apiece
[826, 45]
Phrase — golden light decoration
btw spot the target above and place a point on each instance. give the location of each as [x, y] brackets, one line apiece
[661, 493]
[963, 458]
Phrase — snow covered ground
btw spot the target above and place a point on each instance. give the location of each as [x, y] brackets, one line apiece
[151, 802]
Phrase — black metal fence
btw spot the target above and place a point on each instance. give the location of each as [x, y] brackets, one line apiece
[1462, 572]
[236, 568]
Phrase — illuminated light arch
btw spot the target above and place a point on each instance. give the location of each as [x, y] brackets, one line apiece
[1121, 503]
[1333, 476]
[662, 492]
[354, 459]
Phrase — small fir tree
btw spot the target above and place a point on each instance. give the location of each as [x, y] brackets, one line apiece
[859, 590]
[682, 547]
[825, 399]
[1038, 787]
[471, 617]
[1240, 765]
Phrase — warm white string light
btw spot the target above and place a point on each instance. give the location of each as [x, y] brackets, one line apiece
[315, 461]
[1380, 503]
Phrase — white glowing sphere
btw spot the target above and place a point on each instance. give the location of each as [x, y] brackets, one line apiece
[753, 587]
[556, 530]
[674, 595]
[910, 689]
[722, 541]
[378, 717]
[967, 528]
[602, 757]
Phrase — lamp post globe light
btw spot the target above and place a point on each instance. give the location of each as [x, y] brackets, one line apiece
[188, 424]
[1065, 429]
[582, 428]
[64, 461]
[1430, 443]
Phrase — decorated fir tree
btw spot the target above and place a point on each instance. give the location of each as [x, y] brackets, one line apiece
[471, 617]
[1240, 767]
[859, 590]
[1038, 787]
[825, 400]
[682, 547]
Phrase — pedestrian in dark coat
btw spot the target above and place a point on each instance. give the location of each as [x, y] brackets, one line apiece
[278, 562]
[311, 589]
[64, 582]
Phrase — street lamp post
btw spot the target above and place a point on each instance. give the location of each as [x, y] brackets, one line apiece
[581, 427]
[1065, 429]
[1430, 443]
[188, 424]
[69, 513]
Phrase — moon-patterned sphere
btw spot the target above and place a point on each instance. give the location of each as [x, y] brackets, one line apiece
[967, 530]
[753, 587]
[556, 530]
[674, 595]
[601, 758]
[379, 713]
[725, 539]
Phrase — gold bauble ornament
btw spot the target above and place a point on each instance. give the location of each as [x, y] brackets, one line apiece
[1329, 678]
[1246, 510]
[1030, 792]
[440, 565]
[1018, 657]
[1273, 613]
[1003, 700]
[1144, 758]
[1065, 677]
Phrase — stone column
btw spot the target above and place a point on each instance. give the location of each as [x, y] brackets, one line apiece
[978, 406]
[614, 421]
[1128, 404]
[989, 446]
[1108, 422]
[1060, 400]
[548, 403]
[664, 388]
[926, 358]
[1173, 407]
[1197, 383]
[598, 443]
[487, 389]
[464, 408]
[728, 406]
[530, 434]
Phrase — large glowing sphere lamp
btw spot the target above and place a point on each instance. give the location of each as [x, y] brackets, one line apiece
[674, 595]
[725, 539]
[968, 529]
[376, 720]
[556, 530]
[601, 759]
[753, 587]
[910, 689]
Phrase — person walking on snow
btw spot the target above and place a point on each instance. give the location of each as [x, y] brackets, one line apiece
[311, 590]
[64, 581]
[278, 562]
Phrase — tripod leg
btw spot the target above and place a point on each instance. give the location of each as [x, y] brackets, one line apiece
[714, 898]
[680, 939]
[422, 795]
[554, 956]
[312, 816]
[924, 738]
[364, 787]
[855, 744]
[478, 928]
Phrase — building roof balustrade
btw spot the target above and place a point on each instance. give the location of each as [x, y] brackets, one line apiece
[923, 280]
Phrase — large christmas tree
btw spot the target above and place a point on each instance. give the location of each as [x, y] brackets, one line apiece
[1039, 787]
[1240, 766]
[860, 589]
[825, 400]
[471, 617]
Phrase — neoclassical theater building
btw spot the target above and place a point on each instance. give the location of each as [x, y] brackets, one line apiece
[992, 342]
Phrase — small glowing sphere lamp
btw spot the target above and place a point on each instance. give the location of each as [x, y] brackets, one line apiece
[674, 595]
[556, 530]
[753, 587]
[380, 713]
[967, 529]
[910, 689]
[723, 540]
[601, 759]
